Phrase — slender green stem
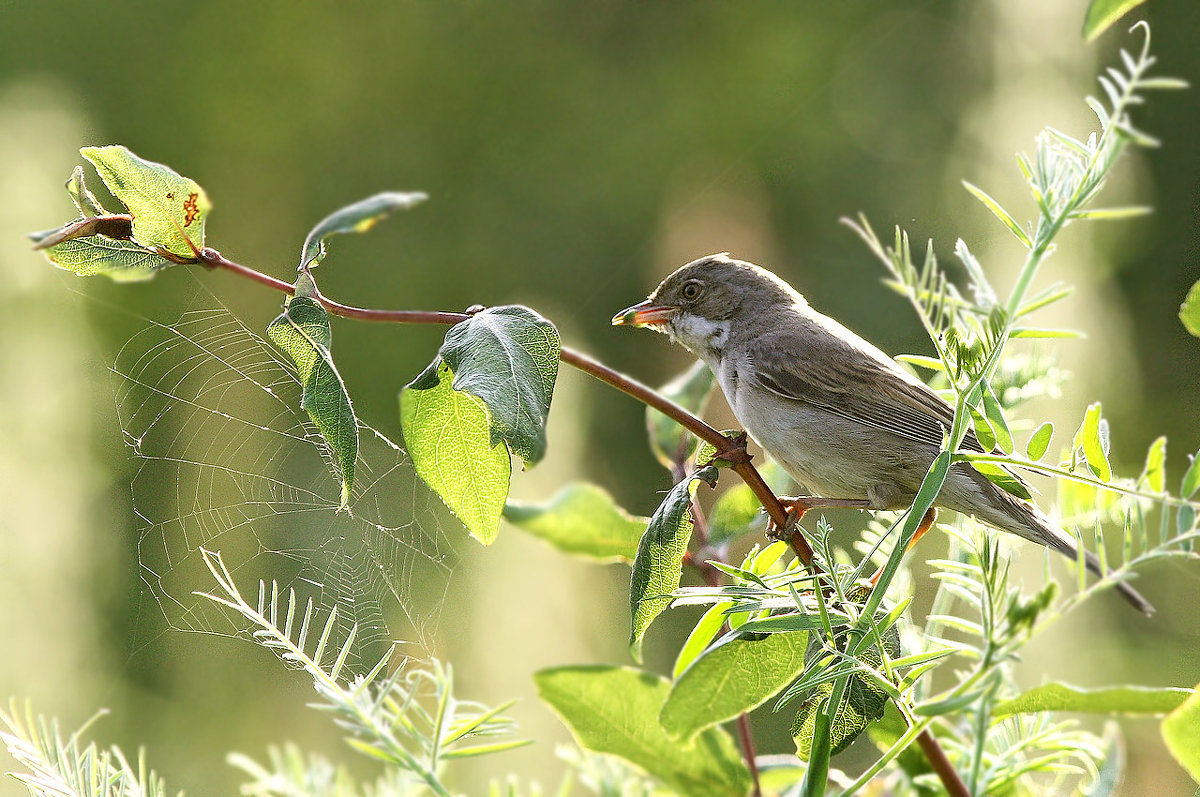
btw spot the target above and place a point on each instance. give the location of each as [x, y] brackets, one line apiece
[1063, 473]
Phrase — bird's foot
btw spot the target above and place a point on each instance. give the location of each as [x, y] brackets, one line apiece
[798, 506]
[925, 525]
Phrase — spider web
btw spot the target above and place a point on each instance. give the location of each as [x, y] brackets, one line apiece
[228, 462]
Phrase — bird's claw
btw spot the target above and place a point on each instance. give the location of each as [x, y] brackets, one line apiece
[797, 507]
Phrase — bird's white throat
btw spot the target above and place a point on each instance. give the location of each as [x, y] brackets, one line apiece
[703, 336]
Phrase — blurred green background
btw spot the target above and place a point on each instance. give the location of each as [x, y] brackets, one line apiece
[574, 154]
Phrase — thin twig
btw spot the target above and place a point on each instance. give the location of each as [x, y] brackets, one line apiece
[727, 449]
[730, 450]
[743, 727]
[941, 765]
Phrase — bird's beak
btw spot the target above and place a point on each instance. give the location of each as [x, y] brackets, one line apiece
[645, 314]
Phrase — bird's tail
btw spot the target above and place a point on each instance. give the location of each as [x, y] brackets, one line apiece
[1026, 520]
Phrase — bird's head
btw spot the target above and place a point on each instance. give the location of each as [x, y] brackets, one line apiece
[699, 303]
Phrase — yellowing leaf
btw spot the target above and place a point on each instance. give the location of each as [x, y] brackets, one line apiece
[168, 210]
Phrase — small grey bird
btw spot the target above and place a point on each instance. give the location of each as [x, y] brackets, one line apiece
[839, 415]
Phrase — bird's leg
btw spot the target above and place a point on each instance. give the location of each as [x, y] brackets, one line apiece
[798, 506]
[926, 524]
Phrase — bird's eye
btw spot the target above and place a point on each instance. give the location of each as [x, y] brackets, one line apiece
[692, 290]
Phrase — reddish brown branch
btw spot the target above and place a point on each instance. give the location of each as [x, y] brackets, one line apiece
[946, 772]
[747, 742]
[778, 513]
[742, 467]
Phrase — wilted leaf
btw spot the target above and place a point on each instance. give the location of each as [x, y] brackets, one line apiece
[83, 198]
[614, 710]
[302, 331]
[734, 677]
[581, 519]
[359, 217]
[118, 227]
[656, 570]
[168, 210]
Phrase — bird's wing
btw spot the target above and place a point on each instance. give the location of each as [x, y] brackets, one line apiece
[852, 379]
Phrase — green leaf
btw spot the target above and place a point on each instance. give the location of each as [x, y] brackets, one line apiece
[921, 361]
[1043, 333]
[1191, 479]
[1113, 214]
[359, 217]
[1000, 477]
[1189, 311]
[83, 198]
[614, 710]
[508, 358]
[863, 701]
[1185, 520]
[738, 511]
[983, 429]
[736, 676]
[1039, 441]
[733, 514]
[1101, 15]
[448, 435]
[999, 213]
[671, 443]
[656, 569]
[119, 260]
[1092, 439]
[705, 630]
[168, 210]
[819, 734]
[302, 331]
[1111, 700]
[1181, 731]
[581, 519]
[995, 416]
[1154, 474]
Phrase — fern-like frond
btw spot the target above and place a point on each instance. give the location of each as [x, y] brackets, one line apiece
[409, 719]
[62, 766]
